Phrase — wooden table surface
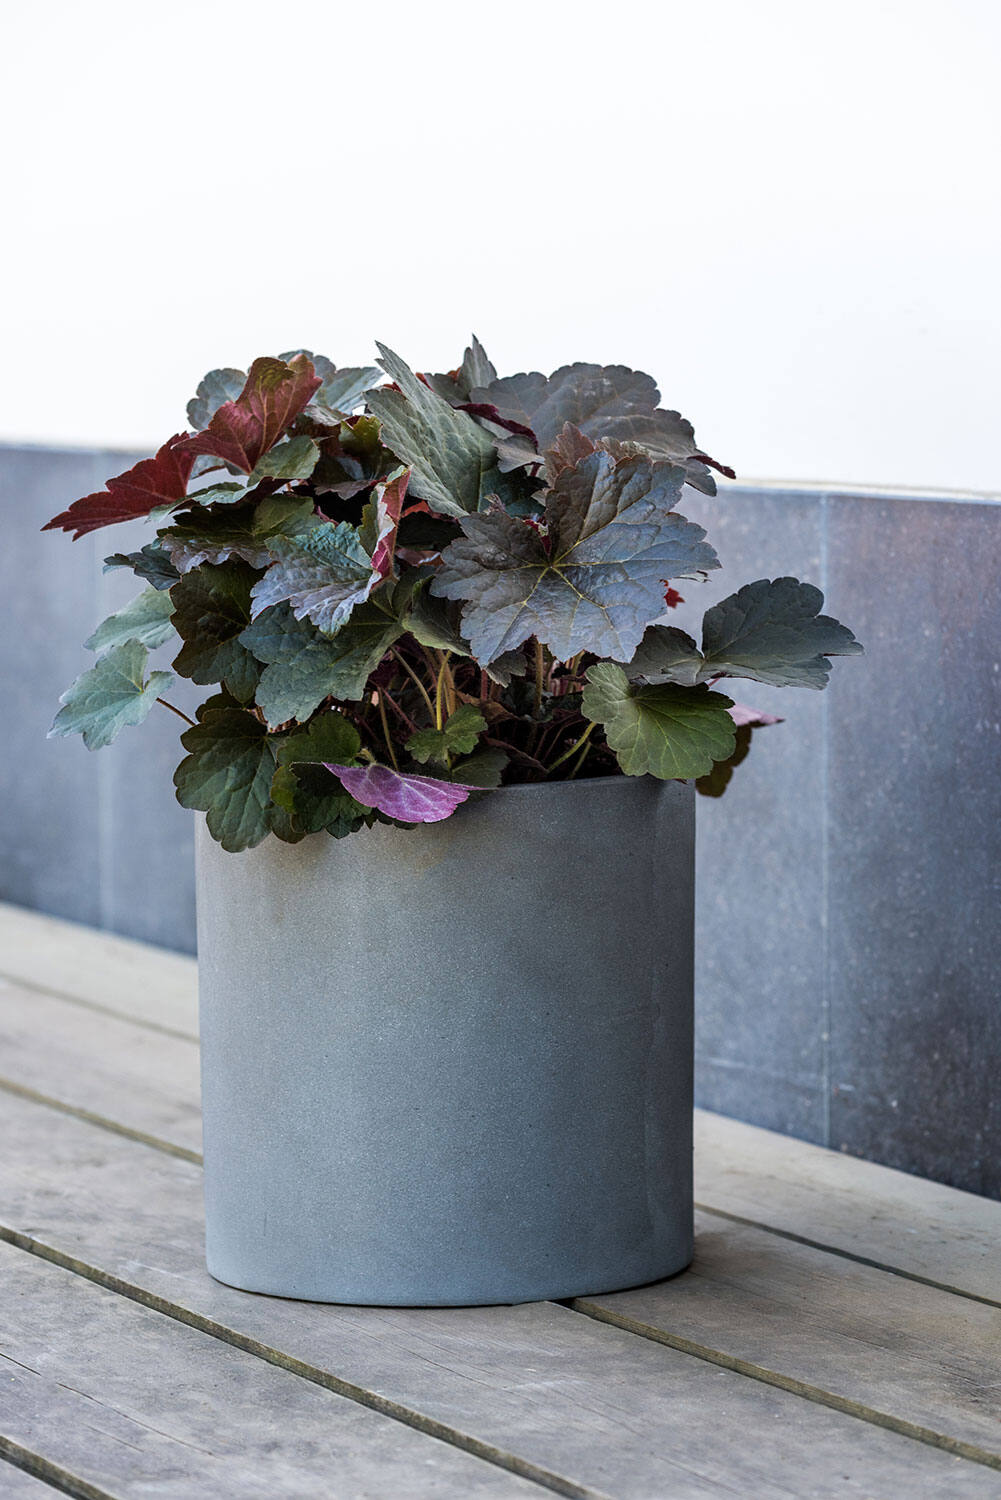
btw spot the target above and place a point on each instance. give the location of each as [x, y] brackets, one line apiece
[839, 1333]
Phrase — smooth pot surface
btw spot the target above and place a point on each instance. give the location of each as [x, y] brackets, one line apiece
[454, 1064]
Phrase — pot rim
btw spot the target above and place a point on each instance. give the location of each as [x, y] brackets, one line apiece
[612, 781]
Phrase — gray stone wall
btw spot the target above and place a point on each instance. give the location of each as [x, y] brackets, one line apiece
[849, 896]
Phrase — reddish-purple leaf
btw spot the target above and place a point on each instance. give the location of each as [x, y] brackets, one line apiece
[389, 504]
[741, 714]
[274, 395]
[409, 799]
[162, 480]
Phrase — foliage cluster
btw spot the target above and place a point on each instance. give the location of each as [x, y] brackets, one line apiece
[407, 593]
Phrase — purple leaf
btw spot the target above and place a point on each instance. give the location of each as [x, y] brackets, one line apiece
[741, 714]
[409, 799]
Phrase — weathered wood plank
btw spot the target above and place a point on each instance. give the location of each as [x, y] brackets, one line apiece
[17, 1484]
[130, 1400]
[920, 1227]
[141, 1079]
[618, 1414]
[133, 979]
[908, 1351]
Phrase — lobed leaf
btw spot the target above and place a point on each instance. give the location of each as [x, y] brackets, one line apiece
[161, 480]
[210, 536]
[212, 608]
[322, 575]
[227, 774]
[110, 696]
[604, 402]
[453, 461]
[408, 799]
[301, 783]
[594, 580]
[773, 632]
[664, 730]
[242, 430]
[146, 619]
[457, 736]
[214, 390]
[305, 666]
[294, 459]
[150, 562]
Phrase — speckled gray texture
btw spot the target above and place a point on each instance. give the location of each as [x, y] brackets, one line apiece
[453, 1065]
[848, 969]
[96, 837]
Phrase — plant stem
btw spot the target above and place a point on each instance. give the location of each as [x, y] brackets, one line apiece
[178, 712]
[398, 710]
[540, 667]
[415, 679]
[513, 750]
[577, 744]
[445, 689]
[385, 733]
[579, 761]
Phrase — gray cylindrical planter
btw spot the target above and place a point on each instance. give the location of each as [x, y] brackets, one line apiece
[453, 1065]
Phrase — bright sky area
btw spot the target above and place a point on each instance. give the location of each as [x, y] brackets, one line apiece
[788, 212]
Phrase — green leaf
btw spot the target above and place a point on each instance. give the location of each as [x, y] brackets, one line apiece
[595, 580]
[209, 536]
[458, 736]
[227, 774]
[484, 769]
[475, 370]
[218, 387]
[665, 654]
[718, 779]
[667, 731]
[147, 620]
[294, 459]
[305, 666]
[322, 574]
[110, 696]
[454, 462]
[430, 622]
[312, 797]
[773, 632]
[212, 607]
[150, 563]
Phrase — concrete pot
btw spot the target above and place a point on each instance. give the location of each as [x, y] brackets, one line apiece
[454, 1065]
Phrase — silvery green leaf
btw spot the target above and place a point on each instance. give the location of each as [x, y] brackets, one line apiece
[112, 695]
[664, 730]
[773, 631]
[475, 370]
[595, 580]
[305, 666]
[322, 574]
[147, 620]
[218, 387]
[450, 456]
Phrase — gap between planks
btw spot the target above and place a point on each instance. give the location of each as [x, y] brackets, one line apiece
[50, 1474]
[184, 1153]
[584, 1307]
[407, 1416]
[956, 1446]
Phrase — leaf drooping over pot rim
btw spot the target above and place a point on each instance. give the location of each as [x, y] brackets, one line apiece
[466, 572]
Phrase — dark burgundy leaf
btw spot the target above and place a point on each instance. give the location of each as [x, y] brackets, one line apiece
[161, 480]
[244, 429]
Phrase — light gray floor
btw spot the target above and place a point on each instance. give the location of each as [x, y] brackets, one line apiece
[837, 1335]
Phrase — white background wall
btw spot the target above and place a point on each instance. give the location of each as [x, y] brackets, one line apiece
[787, 211]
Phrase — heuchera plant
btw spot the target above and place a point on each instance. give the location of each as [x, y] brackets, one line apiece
[411, 592]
